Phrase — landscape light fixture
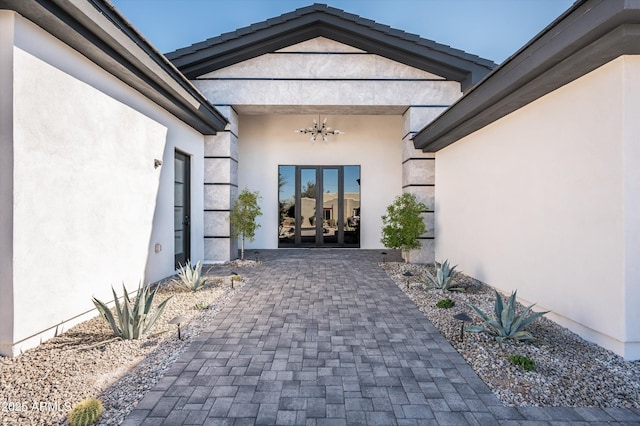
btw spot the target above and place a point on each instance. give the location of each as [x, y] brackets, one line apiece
[462, 317]
[408, 274]
[319, 130]
[178, 320]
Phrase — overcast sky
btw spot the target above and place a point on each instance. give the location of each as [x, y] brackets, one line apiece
[492, 29]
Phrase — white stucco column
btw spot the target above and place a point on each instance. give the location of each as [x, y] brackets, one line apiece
[220, 190]
[418, 176]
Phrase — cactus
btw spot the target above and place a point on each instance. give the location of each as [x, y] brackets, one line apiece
[86, 412]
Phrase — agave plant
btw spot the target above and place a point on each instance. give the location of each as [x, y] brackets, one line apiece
[132, 320]
[191, 277]
[506, 325]
[443, 279]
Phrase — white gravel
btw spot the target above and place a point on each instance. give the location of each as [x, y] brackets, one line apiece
[569, 370]
[40, 386]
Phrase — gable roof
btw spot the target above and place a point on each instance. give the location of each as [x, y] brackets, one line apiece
[99, 32]
[588, 35]
[320, 20]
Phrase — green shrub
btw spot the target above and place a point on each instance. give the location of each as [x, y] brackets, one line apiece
[526, 363]
[443, 279]
[403, 224]
[243, 217]
[132, 320]
[445, 303]
[191, 277]
[86, 412]
[506, 324]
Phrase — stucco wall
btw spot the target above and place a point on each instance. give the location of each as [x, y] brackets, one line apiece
[89, 205]
[372, 142]
[545, 201]
[6, 175]
[279, 92]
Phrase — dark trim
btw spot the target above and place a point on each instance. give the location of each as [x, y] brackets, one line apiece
[421, 159]
[137, 64]
[588, 35]
[221, 184]
[417, 185]
[320, 53]
[426, 238]
[320, 20]
[213, 157]
[316, 79]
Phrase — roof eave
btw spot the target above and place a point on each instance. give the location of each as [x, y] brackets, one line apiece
[96, 30]
[323, 21]
[587, 36]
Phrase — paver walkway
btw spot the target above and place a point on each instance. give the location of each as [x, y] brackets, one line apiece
[324, 337]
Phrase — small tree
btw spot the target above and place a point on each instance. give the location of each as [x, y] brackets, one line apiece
[403, 224]
[243, 217]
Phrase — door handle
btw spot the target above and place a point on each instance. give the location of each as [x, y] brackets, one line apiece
[186, 221]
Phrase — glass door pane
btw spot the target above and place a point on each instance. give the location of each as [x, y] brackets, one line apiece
[330, 206]
[307, 210]
[287, 206]
[351, 206]
[181, 212]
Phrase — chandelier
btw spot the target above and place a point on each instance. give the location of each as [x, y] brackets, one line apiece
[319, 130]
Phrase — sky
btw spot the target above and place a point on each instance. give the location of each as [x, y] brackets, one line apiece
[492, 29]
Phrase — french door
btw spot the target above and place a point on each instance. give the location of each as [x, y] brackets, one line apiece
[319, 206]
[181, 209]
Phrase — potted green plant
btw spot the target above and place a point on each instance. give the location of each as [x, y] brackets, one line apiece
[403, 224]
[243, 217]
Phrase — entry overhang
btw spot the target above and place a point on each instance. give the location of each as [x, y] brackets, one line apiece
[320, 20]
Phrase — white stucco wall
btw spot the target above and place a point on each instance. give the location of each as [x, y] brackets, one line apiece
[6, 175]
[372, 142]
[89, 205]
[376, 101]
[545, 201]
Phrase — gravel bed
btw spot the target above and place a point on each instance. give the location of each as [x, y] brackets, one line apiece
[41, 385]
[570, 371]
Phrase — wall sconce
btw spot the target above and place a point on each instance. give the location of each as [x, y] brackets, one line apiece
[157, 163]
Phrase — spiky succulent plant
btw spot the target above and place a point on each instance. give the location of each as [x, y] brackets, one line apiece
[86, 412]
[506, 324]
[132, 319]
[191, 277]
[443, 280]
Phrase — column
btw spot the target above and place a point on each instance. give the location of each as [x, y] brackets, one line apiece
[220, 190]
[418, 176]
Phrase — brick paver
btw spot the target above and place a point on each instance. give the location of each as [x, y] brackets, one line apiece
[324, 337]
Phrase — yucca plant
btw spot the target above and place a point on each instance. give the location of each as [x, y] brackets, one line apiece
[191, 277]
[506, 325]
[86, 412]
[443, 279]
[132, 320]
